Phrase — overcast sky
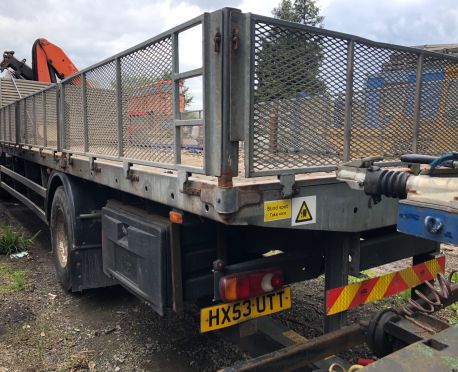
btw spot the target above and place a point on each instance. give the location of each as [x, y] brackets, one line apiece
[91, 30]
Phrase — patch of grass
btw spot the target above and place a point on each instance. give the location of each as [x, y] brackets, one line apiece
[454, 277]
[12, 280]
[366, 274]
[13, 241]
[454, 307]
[404, 295]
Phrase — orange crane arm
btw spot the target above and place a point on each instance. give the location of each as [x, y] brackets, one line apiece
[49, 61]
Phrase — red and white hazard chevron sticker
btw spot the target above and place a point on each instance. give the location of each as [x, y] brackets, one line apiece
[356, 294]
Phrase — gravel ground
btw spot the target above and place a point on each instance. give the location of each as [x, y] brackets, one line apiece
[43, 328]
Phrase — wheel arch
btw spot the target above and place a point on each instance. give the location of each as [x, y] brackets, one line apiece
[84, 197]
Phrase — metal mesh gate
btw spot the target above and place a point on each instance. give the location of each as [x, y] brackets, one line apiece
[320, 98]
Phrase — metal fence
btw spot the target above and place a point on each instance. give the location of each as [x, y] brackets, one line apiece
[294, 99]
[319, 98]
[129, 107]
[36, 119]
[8, 124]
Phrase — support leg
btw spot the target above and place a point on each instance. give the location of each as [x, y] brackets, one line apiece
[336, 272]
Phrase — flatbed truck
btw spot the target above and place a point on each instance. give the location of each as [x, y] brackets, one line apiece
[230, 207]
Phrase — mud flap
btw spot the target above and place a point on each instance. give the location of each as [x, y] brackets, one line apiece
[134, 246]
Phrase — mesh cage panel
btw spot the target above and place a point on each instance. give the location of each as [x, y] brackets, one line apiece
[2, 123]
[299, 84]
[102, 110]
[147, 103]
[438, 127]
[22, 122]
[12, 123]
[7, 123]
[50, 99]
[39, 120]
[383, 86]
[299, 91]
[73, 115]
[29, 114]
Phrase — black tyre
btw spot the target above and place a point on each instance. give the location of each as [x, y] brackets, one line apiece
[61, 236]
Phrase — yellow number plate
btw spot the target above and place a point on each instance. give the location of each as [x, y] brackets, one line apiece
[226, 315]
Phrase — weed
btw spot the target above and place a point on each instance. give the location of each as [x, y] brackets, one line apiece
[13, 241]
[12, 280]
[366, 274]
[454, 277]
[405, 295]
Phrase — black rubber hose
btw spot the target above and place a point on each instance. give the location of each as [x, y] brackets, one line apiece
[418, 158]
[386, 182]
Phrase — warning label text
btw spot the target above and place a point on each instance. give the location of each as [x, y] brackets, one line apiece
[277, 210]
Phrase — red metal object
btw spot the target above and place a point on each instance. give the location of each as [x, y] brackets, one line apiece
[364, 362]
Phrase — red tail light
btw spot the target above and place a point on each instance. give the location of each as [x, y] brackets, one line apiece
[244, 285]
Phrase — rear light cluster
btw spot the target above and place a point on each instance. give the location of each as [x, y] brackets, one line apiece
[245, 285]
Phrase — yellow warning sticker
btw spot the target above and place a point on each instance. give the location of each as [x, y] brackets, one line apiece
[304, 213]
[303, 210]
[277, 210]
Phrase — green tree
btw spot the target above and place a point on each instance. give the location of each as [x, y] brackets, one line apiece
[300, 11]
[289, 60]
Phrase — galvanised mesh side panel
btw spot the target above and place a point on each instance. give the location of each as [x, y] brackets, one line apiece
[30, 138]
[320, 98]
[12, 123]
[73, 115]
[22, 115]
[438, 127]
[299, 83]
[51, 117]
[147, 103]
[383, 85]
[102, 110]
[6, 112]
[39, 120]
[2, 124]
[6, 123]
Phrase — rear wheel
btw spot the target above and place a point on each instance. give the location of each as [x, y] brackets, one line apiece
[61, 236]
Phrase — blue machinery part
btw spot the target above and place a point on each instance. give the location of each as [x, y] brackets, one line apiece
[428, 223]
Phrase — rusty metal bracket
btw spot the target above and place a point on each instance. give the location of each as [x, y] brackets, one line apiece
[228, 200]
[65, 160]
[182, 178]
[235, 39]
[128, 173]
[217, 41]
[92, 164]
[287, 182]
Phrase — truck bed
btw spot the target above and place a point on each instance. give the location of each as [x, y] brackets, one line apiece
[281, 107]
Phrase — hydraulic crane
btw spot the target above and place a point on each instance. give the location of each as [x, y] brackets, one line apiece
[49, 62]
